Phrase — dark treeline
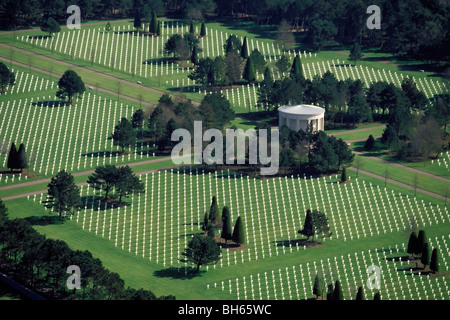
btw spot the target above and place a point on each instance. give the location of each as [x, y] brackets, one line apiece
[41, 264]
[419, 28]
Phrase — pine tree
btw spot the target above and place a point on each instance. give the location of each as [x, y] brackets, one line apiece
[13, 158]
[308, 227]
[63, 194]
[425, 256]
[108, 27]
[421, 240]
[124, 134]
[226, 227]
[355, 53]
[296, 69]
[191, 28]
[244, 49]
[194, 58]
[213, 211]
[360, 294]
[238, 232]
[158, 29]
[337, 293]
[22, 158]
[318, 286]
[434, 263]
[203, 30]
[153, 23]
[201, 250]
[249, 71]
[412, 244]
[344, 175]
[377, 296]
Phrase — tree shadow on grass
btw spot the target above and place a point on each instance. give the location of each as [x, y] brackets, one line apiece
[298, 242]
[178, 273]
[44, 220]
[51, 103]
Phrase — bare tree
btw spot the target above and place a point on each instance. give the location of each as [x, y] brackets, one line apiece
[285, 37]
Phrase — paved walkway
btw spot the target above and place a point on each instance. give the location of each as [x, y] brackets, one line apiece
[398, 183]
[95, 74]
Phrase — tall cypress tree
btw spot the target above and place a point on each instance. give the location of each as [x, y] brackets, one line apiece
[13, 158]
[203, 30]
[249, 71]
[213, 211]
[153, 23]
[238, 232]
[194, 58]
[434, 263]
[360, 294]
[226, 227]
[337, 293]
[22, 158]
[296, 68]
[421, 240]
[244, 49]
[318, 286]
[191, 28]
[377, 296]
[308, 227]
[425, 256]
[412, 244]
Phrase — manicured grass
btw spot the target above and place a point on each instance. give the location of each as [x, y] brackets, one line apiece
[402, 175]
[359, 134]
[175, 205]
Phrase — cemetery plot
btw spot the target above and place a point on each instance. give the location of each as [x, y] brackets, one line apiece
[56, 136]
[26, 82]
[396, 282]
[158, 224]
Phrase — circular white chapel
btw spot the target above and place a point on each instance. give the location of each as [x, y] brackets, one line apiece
[297, 117]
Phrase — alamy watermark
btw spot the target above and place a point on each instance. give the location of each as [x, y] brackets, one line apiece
[214, 152]
[74, 280]
[374, 21]
[374, 280]
[74, 21]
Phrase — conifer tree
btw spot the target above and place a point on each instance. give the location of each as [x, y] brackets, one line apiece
[194, 58]
[244, 49]
[296, 68]
[425, 256]
[337, 293]
[308, 227]
[191, 28]
[412, 244]
[22, 158]
[360, 294]
[249, 71]
[226, 227]
[13, 158]
[213, 210]
[318, 286]
[203, 30]
[238, 232]
[153, 23]
[434, 263]
[421, 240]
[377, 296]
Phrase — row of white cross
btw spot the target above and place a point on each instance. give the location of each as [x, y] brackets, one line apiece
[64, 137]
[271, 222]
[297, 282]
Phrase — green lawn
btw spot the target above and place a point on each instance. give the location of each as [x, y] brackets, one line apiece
[150, 235]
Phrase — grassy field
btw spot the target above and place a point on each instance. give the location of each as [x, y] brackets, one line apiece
[152, 231]
[143, 241]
